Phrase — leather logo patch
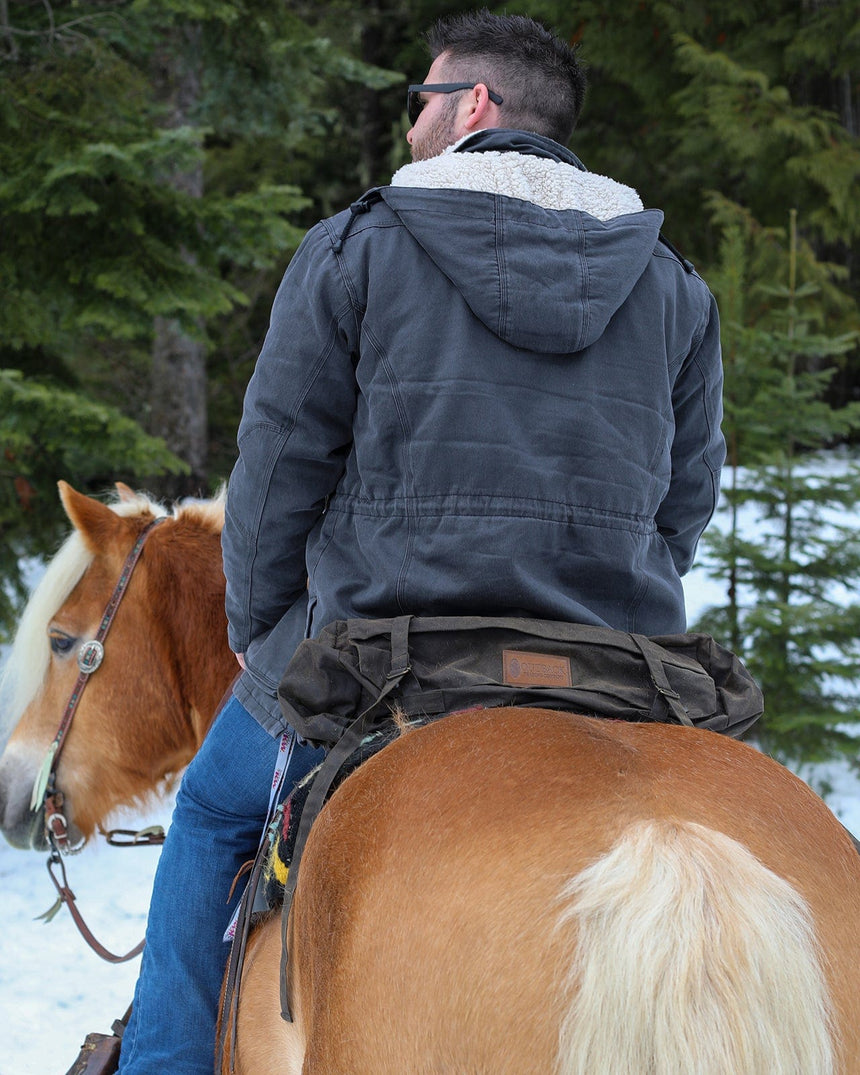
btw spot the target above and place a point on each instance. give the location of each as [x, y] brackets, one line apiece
[535, 669]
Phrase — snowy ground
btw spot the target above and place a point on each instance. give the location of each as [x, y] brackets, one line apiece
[54, 990]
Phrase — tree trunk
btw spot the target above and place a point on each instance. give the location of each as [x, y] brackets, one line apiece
[373, 150]
[178, 389]
[178, 411]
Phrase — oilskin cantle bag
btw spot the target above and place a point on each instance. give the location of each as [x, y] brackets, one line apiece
[356, 670]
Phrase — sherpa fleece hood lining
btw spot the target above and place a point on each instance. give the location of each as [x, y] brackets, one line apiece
[539, 180]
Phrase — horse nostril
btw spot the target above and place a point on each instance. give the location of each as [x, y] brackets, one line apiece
[22, 827]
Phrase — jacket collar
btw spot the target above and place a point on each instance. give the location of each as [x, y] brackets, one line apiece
[518, 164]
[500, 139]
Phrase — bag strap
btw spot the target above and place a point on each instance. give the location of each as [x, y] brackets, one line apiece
[350, 741]
[667, 698]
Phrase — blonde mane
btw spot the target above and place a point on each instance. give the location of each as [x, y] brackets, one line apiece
[25, 670]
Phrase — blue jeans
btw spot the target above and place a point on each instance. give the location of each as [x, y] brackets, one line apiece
[220, 812]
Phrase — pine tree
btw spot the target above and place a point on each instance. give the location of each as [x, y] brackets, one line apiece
[788, 611]
[143, 154]
[46, 432]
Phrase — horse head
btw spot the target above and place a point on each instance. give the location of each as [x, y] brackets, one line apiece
[150, 699]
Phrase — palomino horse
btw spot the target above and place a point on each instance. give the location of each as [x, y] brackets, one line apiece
[504, 891]
[166, 661]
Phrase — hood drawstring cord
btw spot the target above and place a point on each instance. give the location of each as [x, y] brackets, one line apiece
[364, 204]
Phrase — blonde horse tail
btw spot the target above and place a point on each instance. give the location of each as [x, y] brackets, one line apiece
[691, 956]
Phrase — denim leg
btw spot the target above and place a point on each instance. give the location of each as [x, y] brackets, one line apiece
[220, 811]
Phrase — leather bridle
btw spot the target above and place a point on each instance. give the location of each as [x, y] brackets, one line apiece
[49, 798]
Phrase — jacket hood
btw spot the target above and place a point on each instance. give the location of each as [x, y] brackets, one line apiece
[542, 251]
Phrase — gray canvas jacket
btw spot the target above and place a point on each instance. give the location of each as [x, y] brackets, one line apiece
[488, 388]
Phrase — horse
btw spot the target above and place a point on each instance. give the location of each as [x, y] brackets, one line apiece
[166, 662]
[506, 890]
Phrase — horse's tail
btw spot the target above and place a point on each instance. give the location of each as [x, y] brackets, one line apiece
[691, 956]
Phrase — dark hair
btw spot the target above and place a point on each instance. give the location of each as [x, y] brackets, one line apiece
[536, 73]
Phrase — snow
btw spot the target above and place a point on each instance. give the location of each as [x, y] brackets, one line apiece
[54, 990]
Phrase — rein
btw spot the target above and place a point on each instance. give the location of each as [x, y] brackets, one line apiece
[48, 797]
[67, 897]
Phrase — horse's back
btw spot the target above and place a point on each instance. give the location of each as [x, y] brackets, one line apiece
[435, 922]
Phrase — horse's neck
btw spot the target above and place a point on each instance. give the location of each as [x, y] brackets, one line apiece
[212, 667]
[210, 685]
[196, 638]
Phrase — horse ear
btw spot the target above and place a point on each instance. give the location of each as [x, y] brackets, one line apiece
[95, 522]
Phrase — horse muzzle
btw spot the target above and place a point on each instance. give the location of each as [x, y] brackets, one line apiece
[23, 825]
[24, 830]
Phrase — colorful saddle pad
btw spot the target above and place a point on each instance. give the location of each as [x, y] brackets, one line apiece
[285, 824]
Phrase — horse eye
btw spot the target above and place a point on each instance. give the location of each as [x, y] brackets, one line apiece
[61, 643]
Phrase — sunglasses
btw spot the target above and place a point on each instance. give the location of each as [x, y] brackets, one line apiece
[414, 104]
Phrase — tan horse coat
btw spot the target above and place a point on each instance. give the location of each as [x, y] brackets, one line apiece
[446, 919]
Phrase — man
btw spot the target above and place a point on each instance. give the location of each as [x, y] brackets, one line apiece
[489, 388]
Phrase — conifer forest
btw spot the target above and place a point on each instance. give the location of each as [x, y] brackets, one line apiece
[160, 161]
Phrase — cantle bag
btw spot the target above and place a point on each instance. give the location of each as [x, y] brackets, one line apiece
[356, 670]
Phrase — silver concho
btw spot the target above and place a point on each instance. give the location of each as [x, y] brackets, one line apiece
[90, 656]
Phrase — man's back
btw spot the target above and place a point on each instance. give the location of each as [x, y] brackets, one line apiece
[517, 409]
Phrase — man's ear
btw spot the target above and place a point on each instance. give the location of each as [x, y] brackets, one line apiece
[482, 111]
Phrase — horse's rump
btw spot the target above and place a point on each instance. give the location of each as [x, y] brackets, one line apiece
[691, 957]
[441, 899]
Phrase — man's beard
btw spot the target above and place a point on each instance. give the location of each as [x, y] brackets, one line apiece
[437, 138]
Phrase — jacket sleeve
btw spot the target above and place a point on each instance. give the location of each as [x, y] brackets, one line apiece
[698, 446]
[295, 433]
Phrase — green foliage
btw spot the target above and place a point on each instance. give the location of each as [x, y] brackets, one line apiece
[789, 612]
[769, 151]
[146, 172]
[47, 432]
[87, 170]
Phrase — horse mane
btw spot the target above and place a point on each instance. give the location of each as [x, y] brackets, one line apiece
[25, 670]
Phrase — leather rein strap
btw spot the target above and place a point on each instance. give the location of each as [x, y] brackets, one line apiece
[67, 897]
